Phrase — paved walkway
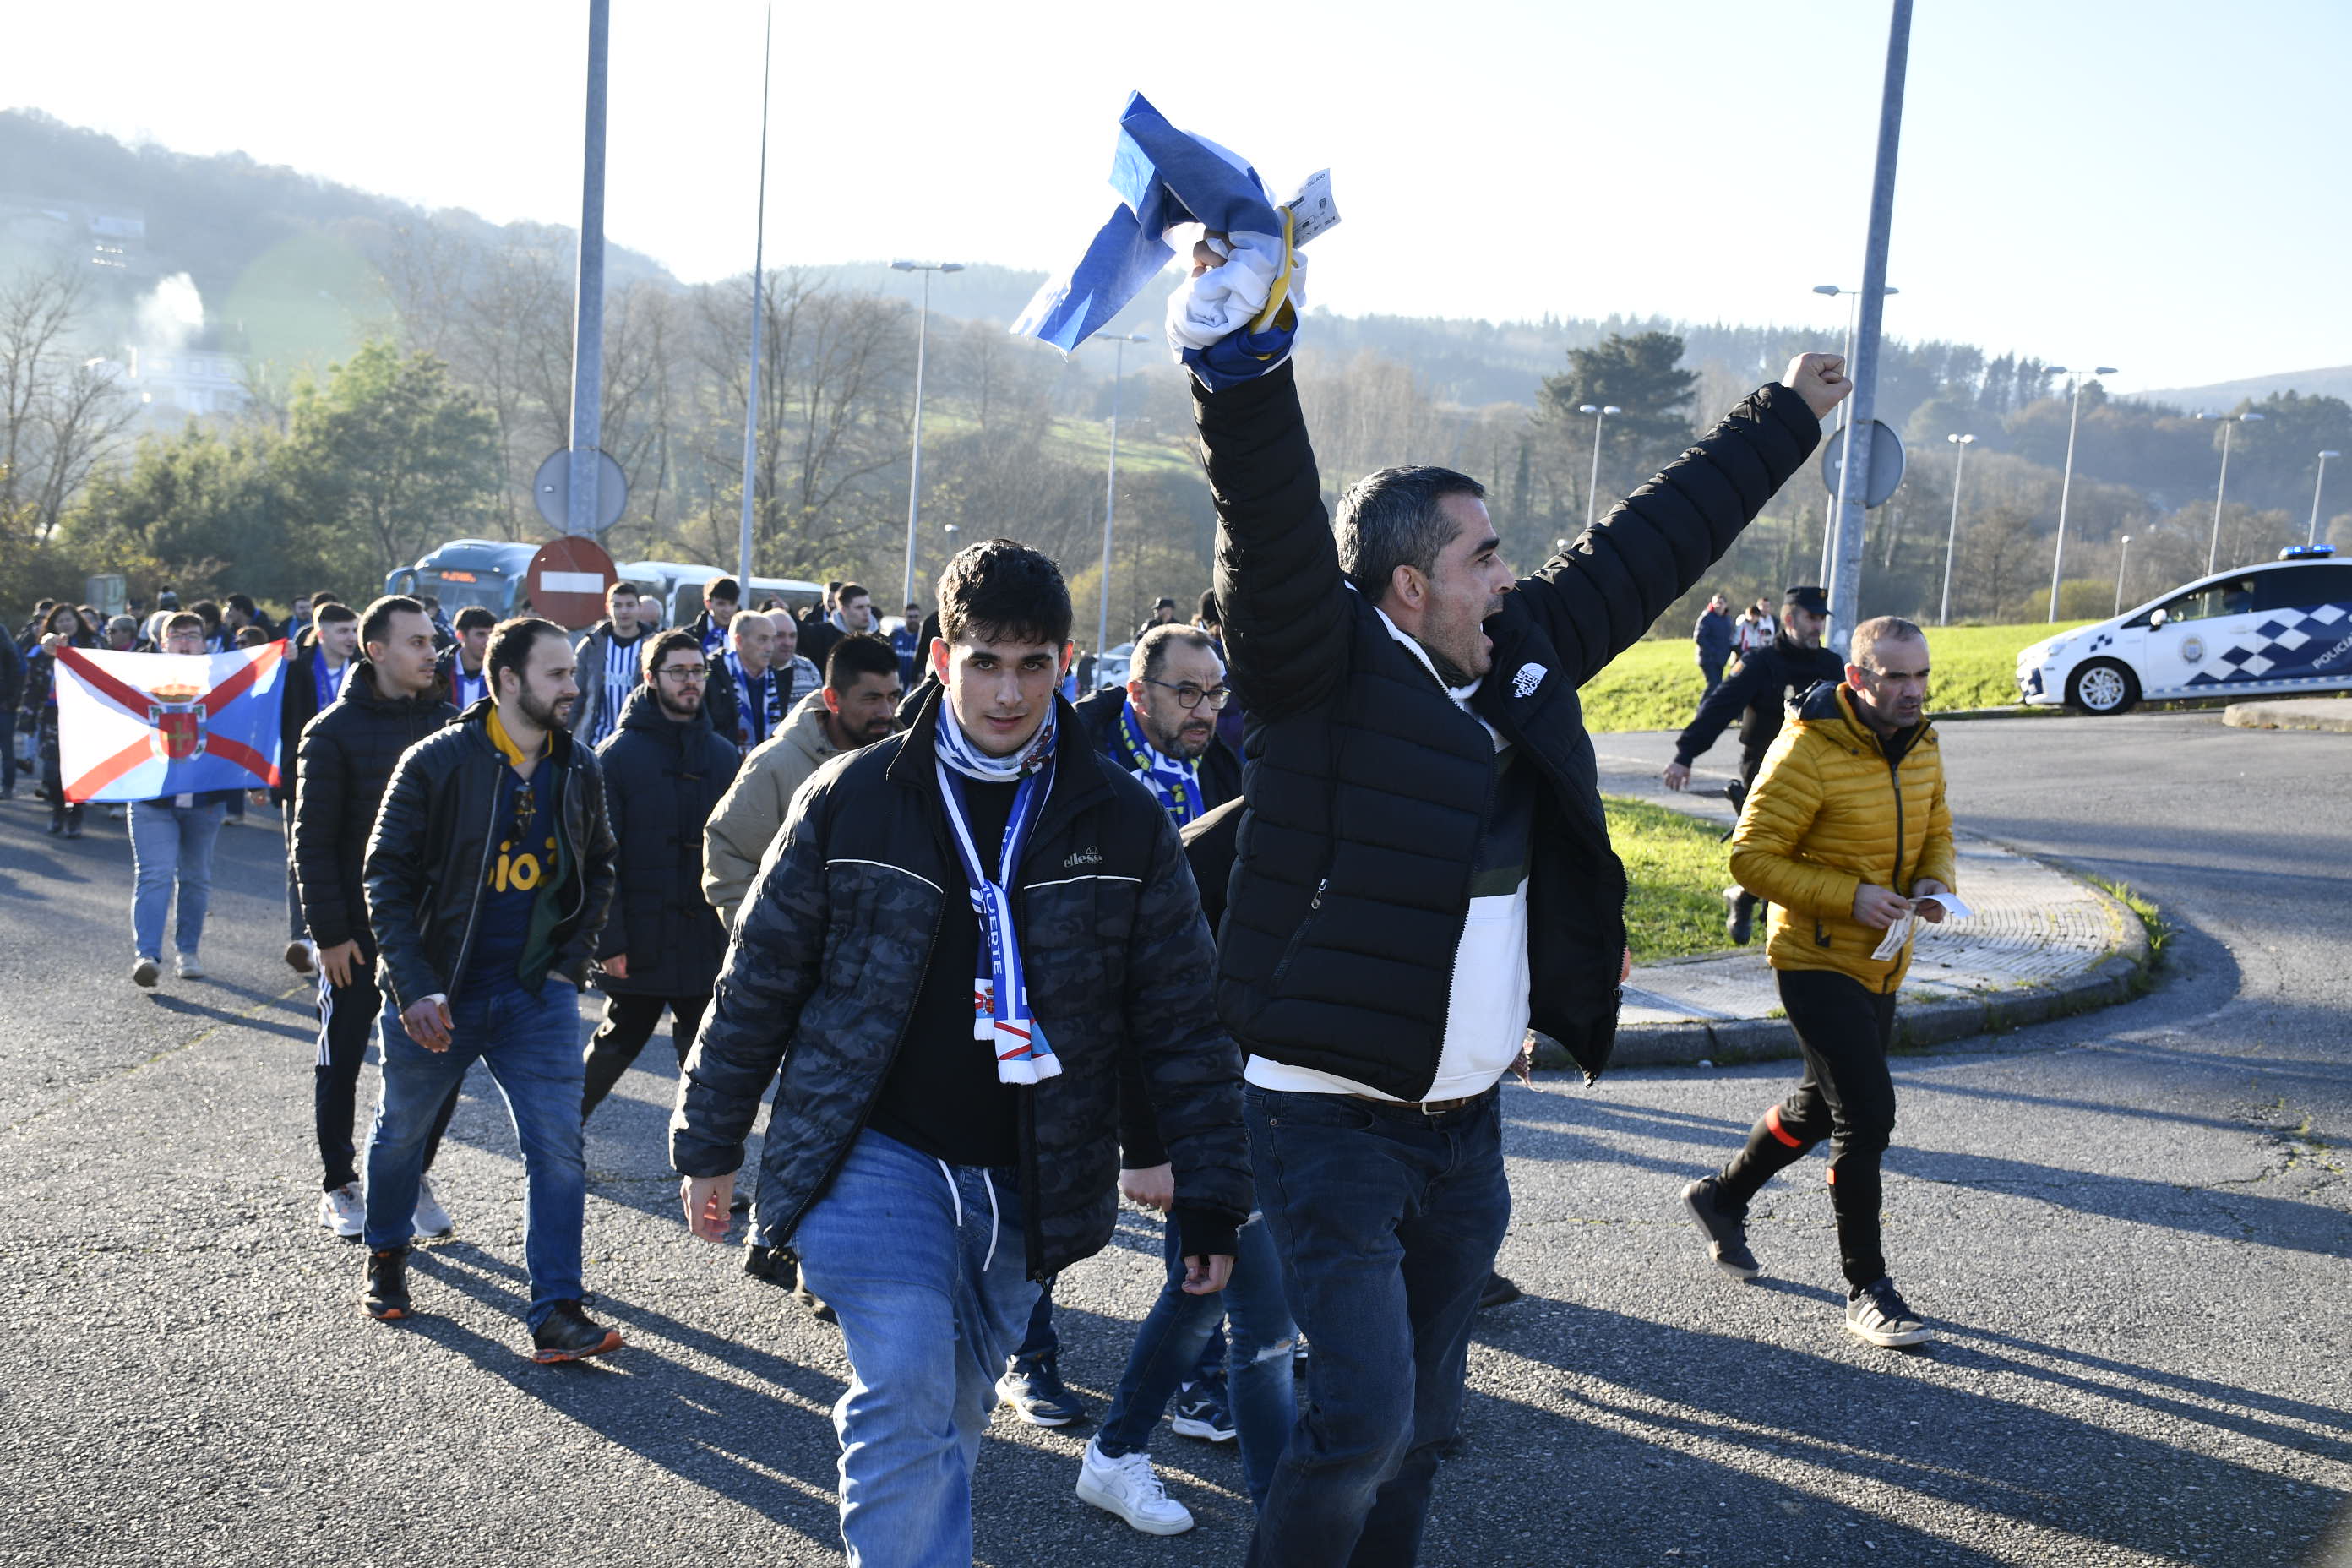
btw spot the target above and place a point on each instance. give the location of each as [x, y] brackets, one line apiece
[2037, 943]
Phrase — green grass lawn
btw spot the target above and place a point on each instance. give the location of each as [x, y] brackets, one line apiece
[1677, 867]
[1656, 685]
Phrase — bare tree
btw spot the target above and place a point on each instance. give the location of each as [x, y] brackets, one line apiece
[61, 414]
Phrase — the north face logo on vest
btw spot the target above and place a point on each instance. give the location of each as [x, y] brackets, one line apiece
[1529, 677]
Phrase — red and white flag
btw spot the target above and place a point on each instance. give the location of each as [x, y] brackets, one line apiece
[137, 726]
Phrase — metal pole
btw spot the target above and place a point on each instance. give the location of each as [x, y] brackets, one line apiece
[1952, 534]
[2065, 486]
[915, 482]
[2313, 538]
[1844, 424]
[1592, 488]
[758, 320]
[1854, 474]
[2122, 556]
[588, 317]
[1110, 507]
[2213, 550]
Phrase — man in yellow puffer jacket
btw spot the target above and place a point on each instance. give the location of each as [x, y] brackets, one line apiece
[1845, 833]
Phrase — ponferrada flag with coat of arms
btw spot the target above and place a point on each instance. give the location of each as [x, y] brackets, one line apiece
[136, 726]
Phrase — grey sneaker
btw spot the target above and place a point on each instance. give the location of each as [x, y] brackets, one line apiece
[1878, 1313]
[341, 1212]
[431, 1220]
[1727, 1234]
[145, 972]
[185, 966]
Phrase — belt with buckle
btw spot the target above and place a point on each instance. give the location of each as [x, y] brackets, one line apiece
[1427, 1107]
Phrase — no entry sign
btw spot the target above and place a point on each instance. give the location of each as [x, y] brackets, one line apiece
[567, 581]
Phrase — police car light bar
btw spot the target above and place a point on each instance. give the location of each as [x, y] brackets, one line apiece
[2307, 551]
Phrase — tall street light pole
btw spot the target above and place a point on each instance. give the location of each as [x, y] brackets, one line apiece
[758, 268]
[2067, 484]
[1960, 445]
[1118, 342]
[1593, 489]
[1830, 516]
[2122, 556]
[1853, 475]
[915, 480]
[2313, 536]
[2213, 550]
[580, 512]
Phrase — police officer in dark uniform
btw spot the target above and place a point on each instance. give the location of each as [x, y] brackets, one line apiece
[1758, 691]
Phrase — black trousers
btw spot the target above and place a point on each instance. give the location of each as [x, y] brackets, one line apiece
[628, 1022]
[1847, 1097]
[347, 1020]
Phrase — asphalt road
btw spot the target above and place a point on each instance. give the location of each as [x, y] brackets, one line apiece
[2131, 1230]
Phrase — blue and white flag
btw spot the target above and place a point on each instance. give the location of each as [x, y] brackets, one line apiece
[1164, 177]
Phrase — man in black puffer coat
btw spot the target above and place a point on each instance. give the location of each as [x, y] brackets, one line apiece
[929, 1165]
[664, 774]
[391, 701]
[1423, 869]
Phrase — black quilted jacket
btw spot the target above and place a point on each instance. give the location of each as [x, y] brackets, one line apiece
[829, 952]
[347, 754]
[1368, 787]
[662, 781]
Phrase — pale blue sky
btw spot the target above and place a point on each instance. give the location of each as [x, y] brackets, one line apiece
[2151, 185]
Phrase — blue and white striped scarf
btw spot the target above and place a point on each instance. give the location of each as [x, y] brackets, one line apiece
[1176, 781]
[1001, 1015]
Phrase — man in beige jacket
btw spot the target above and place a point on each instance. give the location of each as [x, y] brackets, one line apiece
[854, 708]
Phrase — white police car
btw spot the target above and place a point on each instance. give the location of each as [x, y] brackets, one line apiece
[2277, 627]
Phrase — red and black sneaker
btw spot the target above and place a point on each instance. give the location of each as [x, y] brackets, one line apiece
[385, 1298]
[569, 1334]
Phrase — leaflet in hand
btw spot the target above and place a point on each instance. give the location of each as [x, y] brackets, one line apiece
[1902, 931]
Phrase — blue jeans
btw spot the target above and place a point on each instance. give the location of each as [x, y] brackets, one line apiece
[1167, 1348]
[925, 1266]
[531, 1045]
[170, 843]
[1387, 1222]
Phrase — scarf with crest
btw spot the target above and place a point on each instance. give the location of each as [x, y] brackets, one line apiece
[1001, 1015]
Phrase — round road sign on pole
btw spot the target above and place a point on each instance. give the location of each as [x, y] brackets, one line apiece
[567, 580]
[552, 489]
[1885, 463]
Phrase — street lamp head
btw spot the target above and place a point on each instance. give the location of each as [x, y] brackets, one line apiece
[2247, 417]
[1962, 440]
[2103, 370]
[902, 266]
[2126, 539]
[2331, 454]
[951, 265]
[1588, 408]
[1827, 289]
[1612, 409]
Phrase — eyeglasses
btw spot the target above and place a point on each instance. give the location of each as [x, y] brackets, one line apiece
[1188, 696]
[686, 674]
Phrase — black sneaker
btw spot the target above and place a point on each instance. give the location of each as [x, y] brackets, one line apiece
[1199, 1411]
[570, 1333]
[1740, 923]
[1496, 1293]
[385, 1298]
[1877, 1312]
[1036, 1391]
[1727, 1234]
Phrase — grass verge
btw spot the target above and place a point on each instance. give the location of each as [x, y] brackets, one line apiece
[1657, 685]
[2151, 919]
[1676, 867]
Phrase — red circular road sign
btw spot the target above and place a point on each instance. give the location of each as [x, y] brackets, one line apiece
[567, 580]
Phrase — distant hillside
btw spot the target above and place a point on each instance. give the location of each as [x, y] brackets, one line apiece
[2334, 382]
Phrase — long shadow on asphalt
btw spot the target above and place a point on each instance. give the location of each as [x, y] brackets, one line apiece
[247, 1017]
[1907, 1430]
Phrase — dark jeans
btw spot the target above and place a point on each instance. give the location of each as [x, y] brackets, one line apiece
[347, 1021]
[1040, 1340]
[1711, 671]
[628, 1022]
[1168, 1353]
[1387, 1222]
[1846, 1096]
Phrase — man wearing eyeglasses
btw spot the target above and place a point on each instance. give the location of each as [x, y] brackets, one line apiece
[1163, 729]
[664, 773]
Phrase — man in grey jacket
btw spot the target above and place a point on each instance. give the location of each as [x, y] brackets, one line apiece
[854, 708]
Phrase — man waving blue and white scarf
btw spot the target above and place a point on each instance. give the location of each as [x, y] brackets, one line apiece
[1001, 1015]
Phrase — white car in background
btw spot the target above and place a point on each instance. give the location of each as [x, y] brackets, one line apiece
[2278, 627]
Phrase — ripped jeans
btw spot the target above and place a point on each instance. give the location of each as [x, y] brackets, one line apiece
[1260, 1338]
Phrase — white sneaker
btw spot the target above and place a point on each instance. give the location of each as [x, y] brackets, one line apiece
[341, 1212]
[145, 972]
[432, 1220]
[185, 966]
[1130, 1487]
